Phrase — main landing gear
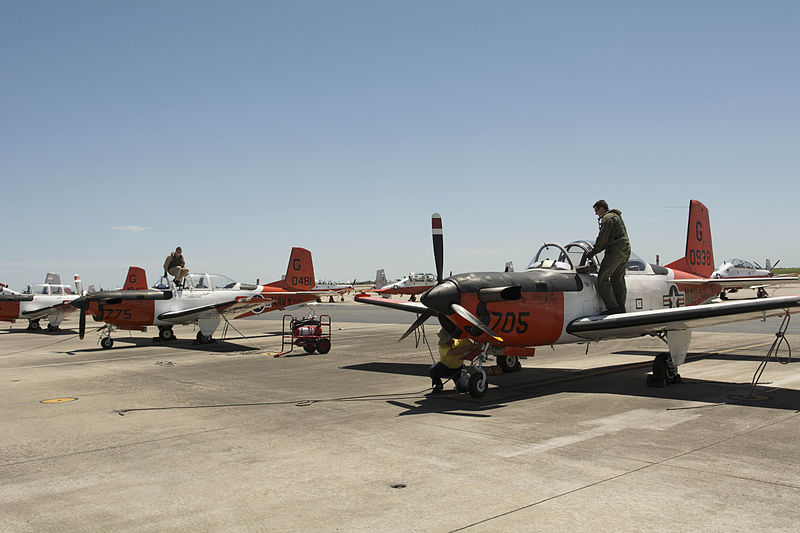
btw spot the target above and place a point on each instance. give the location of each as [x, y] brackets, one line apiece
[33, 325]
[202, 338]
[664, 372]
[165, 333]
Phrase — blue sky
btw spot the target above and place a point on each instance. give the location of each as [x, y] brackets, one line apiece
[239, 129]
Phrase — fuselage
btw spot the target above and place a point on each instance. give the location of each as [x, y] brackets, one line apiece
[548, 299]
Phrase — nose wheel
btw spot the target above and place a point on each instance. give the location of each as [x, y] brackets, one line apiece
[106, 342]
[478, 384]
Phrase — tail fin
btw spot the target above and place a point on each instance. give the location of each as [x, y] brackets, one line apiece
[136, 280]
[699, 258]
[380, 279]
[52, 278]
[78, 285]
[299, 273]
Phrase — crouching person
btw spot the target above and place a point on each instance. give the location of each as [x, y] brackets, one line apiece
[452, 353]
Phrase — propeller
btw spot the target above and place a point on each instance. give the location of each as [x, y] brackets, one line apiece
[82, 304]
[472, 319]
[438, 245]
[444, 297]
[417, 323]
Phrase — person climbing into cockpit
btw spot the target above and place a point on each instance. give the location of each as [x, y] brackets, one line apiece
[175, 265]
[613, 239]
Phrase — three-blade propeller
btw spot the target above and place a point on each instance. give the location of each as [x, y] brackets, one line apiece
[444, 298]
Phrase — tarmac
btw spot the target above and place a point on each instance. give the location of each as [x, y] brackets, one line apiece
[175, 436]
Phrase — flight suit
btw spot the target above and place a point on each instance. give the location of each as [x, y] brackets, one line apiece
[613, 238]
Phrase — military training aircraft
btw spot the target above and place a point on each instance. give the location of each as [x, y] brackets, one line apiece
[412, 284]
[335, 288]
[735, 274]
[203, 299]
[555, 301]
[49, 299]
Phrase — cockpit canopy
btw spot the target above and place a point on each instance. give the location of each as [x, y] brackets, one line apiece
[553, 256]
[47, 288]
[421, 278]
[741, 263]
[205, 282]
[210, 281]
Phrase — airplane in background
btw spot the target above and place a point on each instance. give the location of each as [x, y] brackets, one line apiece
[555, 301]
[42, 300]
[335, 288]
[204, 299]
[412, 284]
[740, 274]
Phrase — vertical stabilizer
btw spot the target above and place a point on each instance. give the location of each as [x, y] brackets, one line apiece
[699, 258]
[300, 272]
[52, 278]
[136, 280]
[380, 279]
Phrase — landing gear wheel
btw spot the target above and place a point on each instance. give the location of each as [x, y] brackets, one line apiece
[166, 334]
[663, 373]
[203, 339]
[762, 292]
[478, 383]
[509, 363]
[106, 342]
[33, 325]
[309, 348]
[324, 346]
[412, 299]
[51, 328]
[723, 295]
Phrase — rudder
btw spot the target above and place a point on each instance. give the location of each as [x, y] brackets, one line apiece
[699, 258]
[136, 280]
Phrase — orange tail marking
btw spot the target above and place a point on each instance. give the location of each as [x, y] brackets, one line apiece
[300, 272]
[136, 280]
[699, 258]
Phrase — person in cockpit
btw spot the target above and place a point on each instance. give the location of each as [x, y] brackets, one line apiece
[613, 238]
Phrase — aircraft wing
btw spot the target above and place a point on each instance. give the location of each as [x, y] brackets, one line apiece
[739, 283]
[639, 323]
[412, 307]
[237, 305]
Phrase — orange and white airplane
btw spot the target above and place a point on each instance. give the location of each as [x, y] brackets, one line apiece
[555, 301]
[412, 284]
[49, 300]
[735, 274]
[204, 299]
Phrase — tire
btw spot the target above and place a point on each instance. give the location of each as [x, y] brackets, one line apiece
[478, 384]
[324, 346]
[309, 348]
[51, 328]
[166, 334]
[508, 363]
[202, 338]
[34, 325]
[106, 342]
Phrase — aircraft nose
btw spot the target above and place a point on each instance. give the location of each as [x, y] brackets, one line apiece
[441, 297]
